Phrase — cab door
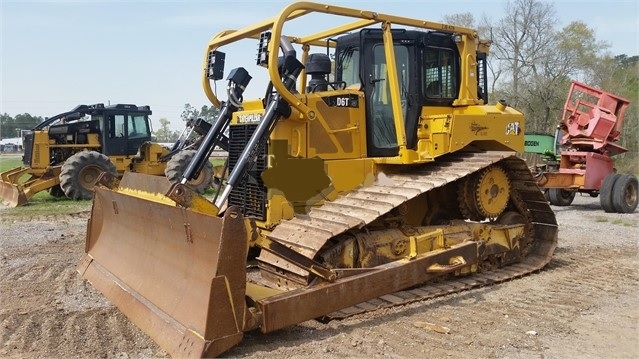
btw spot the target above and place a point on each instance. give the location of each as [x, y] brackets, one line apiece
[137, 132]
[125, 132]
[115, 140]
[381, 133]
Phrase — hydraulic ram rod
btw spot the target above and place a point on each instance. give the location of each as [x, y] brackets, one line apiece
[238, 79]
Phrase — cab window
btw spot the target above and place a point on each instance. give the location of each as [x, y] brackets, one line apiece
[439, 73]
[350, 67]
[384, 134]
[116, 126]
[137, 126]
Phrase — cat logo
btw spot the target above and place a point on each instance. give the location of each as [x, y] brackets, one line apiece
[513, 128]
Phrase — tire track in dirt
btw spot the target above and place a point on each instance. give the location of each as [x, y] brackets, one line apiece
[56, 333]
[37, 272]
[48, 309]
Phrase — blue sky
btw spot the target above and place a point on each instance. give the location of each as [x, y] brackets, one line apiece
[55, 55]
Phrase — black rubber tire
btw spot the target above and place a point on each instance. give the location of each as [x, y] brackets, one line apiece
[624, 194]
[177, 165]
[56, 191]
[605, 192]
[80, 172]
[560, 196]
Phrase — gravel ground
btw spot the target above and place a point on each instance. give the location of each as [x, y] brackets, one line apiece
[584, 304]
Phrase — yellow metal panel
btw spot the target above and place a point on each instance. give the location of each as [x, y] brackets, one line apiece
[40, 156]
[440, 144]
[93, 140]
[336, 132]
[349, 174]
[278, 209]
[468, 84]
[295, 133]
[148, 161]
[487, 129]
[345, 175]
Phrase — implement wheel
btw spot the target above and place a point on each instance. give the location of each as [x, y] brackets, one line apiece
[605, 192]
[560, 196]
[624, 194]
[81, 171]
[177, 165]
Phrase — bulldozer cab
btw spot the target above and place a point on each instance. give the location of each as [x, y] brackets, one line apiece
[427, 67]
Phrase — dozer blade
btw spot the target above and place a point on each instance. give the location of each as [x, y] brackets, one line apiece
[11, 192]
[12, 195]
[178, 275]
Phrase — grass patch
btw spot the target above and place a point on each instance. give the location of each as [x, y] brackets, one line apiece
[46, 206]
[8, 162]
[617, 221]
[624, 223]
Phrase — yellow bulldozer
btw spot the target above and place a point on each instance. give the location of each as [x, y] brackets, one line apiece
[373, 165]
[66, 153]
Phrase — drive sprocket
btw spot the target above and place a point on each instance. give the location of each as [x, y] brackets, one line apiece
[485, 194]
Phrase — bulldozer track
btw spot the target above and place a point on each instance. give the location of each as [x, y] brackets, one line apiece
[307, 234]
[431, 291]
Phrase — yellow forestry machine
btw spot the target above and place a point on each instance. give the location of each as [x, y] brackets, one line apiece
[66, 153]
[373, 165]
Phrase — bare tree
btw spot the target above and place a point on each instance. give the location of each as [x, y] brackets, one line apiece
[520, 39]
[570, 55]
[533, 63]
[465, 19]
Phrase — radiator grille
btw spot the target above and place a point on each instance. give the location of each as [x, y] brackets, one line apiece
[27, 145]
[250, 193]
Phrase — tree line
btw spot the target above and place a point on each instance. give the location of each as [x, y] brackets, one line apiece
[11, 126]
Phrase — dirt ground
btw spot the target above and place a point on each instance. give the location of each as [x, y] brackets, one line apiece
[585, 304]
